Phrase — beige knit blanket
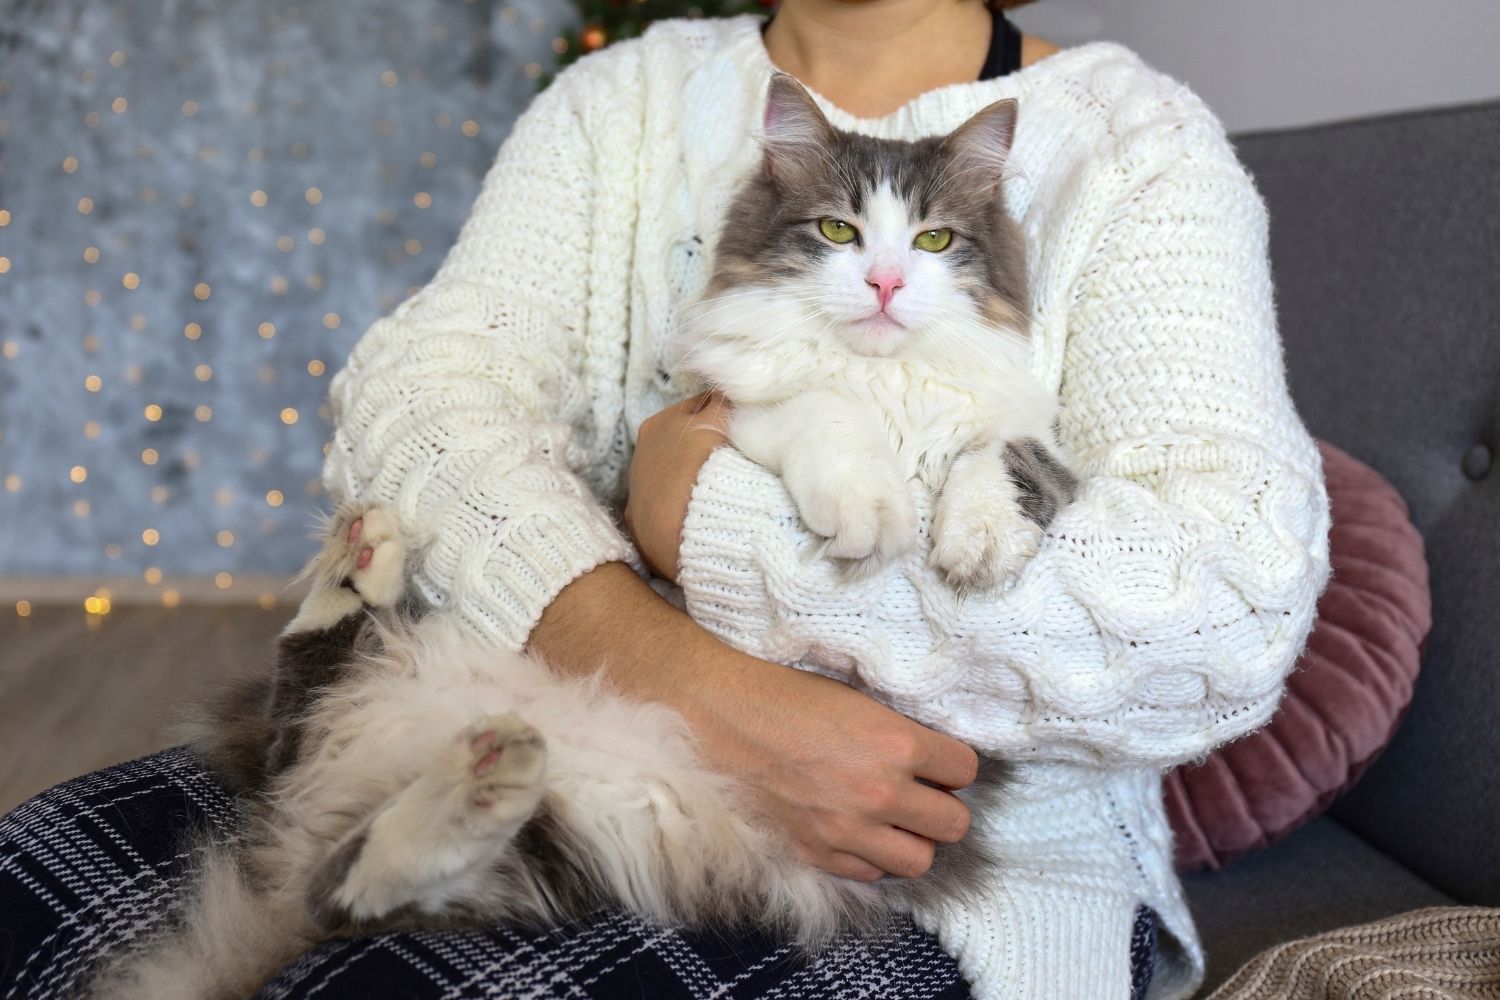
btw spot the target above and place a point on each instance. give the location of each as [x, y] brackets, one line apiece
[1441, 953]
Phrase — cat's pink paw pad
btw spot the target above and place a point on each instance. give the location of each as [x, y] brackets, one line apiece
[506, 759]
[354, 529]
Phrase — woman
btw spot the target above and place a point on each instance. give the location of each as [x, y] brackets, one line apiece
[506, 407]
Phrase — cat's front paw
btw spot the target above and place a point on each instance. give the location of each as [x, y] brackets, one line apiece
[980, 534]
[365, 544]
[860, 503]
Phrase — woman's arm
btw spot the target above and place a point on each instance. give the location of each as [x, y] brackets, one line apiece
[1168, 603]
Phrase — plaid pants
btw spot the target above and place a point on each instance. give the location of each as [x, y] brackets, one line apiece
[98, 861]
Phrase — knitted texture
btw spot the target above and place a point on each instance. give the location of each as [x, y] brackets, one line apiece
[495, 410]
[1440, 953]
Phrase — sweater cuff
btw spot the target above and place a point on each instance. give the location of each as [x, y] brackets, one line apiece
[734, 503]
[502, 592]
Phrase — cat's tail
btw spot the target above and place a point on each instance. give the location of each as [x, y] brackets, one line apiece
[228, 940]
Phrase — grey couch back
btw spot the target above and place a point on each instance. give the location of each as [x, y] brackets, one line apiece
[1385, 239]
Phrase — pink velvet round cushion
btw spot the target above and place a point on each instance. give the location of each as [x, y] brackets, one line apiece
[1343, 701]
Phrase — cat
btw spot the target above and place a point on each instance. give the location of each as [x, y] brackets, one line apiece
[399, 775]
[867, 317]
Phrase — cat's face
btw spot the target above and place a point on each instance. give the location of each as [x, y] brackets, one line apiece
[885, 243]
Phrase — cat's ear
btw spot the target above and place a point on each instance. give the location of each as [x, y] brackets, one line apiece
[980, 146]
[797, 134]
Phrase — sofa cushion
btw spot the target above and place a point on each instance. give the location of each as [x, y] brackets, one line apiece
[1350, 689]
[1318, 878]
[1384, 238]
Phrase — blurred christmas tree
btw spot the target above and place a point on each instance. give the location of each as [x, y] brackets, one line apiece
[605, 21]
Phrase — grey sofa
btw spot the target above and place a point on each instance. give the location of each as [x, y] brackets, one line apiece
[1385, 239]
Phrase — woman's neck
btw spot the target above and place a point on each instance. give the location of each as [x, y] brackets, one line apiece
[873, 56]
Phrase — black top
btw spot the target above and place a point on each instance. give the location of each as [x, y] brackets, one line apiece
[1005, 47]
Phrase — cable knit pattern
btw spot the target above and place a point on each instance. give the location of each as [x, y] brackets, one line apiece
[495, 410]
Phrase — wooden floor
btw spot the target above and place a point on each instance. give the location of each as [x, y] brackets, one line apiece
[81, 691]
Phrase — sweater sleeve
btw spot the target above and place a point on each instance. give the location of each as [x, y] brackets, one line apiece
[467, 408]
[1167, 604]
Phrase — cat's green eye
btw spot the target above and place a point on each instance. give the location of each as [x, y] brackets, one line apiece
[836, 230]
[934, 240]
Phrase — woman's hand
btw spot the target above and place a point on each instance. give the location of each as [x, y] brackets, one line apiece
[672, 446]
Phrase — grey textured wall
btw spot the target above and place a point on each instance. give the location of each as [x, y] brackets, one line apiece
[203, 203]
[1278, 63]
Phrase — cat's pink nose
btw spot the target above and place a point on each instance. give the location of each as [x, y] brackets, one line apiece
[885, 283]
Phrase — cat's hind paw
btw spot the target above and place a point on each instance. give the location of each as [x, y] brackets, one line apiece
[505, 766]
[364, 550]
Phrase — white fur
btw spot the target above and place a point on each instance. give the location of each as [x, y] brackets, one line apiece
[848, 412]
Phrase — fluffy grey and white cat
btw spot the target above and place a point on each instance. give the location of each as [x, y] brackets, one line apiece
[866, 315]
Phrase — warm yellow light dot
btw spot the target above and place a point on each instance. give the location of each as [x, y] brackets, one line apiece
[192, 331]
[413, 247]
[258, 198]
[159, 494]
[278, 285]
[223, 496]
[92, 297]
[153, 412]
[315, 367]
[428, 159]
[13, 484]
[4, 217]
[289, 416]
[131, 280]
[203, 373]
[533, 70]
[223, 581]
[112, 551]
[267, 330]
[117, 59]
[11, 349]
[201, 291]
[152, 575]
[170, 598]
[91, 429]
[150, 456]
[315, 281]
[118, 105]
[422, 199]
[92, 383]
[4, 265]
[78, 473]
[204, 413]
[316, 237]
[471, 128]
[266, 601]
[190, 108]
[91, 255]
[150, 536]
[274, 498]
[285, 244]
[81, 508]
[23, 609]
[85, 205]
[70, 164]
[331, 320]
[225, 539]
[93, 605]
[559, 45]
[92, 119]
[313, 196]
[389, 78]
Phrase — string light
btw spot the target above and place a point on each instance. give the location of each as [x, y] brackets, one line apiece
[13, 484]
[428, 160]
[204, 413]
[422, 199]
[225, 539]
[152, 575]
[315, 237]
[192, 331]
[153, 412]
[69, 164]
[150, 536]
[258, 198]
[267, 330]
[331, 320]
[112, 551]
[223, 581]
[313, 196]
[170, 598]
[266, 601]
[93, 383]
[274, 498]
[149, 456]
[91, 430]
[470, 128]
[289, 416]
[201, 291]
[91, 255]
[315, 368]
[78, 474]
[203, 373]
[119, 105]
[23, 609]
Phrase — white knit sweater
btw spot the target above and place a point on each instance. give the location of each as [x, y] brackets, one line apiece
[497, 407]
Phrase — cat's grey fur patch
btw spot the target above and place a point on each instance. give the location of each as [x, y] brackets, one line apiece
[1043, 484]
